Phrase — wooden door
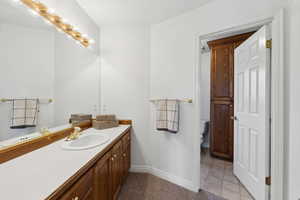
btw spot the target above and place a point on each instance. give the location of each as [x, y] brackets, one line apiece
[252, 111]
[222, 95]
[103, 178]
[222, 140]
[116, 169]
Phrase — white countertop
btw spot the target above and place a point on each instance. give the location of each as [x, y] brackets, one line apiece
[36, 175]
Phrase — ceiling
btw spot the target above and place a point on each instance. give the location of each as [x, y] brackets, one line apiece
[137, 11]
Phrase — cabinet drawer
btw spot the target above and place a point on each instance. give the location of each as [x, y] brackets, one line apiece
[82, 189]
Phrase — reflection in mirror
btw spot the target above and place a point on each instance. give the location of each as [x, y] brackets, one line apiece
[27, 63]
[39, 64]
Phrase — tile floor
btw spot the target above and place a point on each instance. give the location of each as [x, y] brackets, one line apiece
[140, 186]
[217, 178]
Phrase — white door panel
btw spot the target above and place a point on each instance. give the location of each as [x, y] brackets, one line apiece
[251, 127]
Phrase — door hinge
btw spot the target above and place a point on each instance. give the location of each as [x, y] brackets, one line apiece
[269, 44]
[268, 180]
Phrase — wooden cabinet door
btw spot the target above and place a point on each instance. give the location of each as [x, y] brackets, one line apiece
[82, 189]
[102, 178]
[116, 169]
[222, 71]
[222, 129]
[126, 162]
[89, 196]
[127, 159]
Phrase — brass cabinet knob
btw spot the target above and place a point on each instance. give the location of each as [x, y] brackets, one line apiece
[75, 198]
[112, 159]
[115, 155]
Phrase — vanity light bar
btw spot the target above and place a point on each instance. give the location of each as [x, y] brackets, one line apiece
[40, 9]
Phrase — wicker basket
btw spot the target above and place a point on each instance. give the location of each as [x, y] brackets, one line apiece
[106, 118]
[105, 124]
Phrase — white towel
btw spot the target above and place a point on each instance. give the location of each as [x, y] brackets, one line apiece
[167, 118]
[24, 113]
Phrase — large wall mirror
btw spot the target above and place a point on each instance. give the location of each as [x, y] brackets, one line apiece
[44, 78]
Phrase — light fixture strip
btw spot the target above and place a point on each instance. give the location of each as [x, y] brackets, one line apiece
[57, 21]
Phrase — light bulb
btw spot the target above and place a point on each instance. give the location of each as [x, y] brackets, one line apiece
[47, 22]
[65, 21]
[33, 13]
[17, 1]
[59, 30]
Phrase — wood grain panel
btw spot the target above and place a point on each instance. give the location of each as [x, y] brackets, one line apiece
[222, 72]
[102, 178]
[82, 189]
[222, 129]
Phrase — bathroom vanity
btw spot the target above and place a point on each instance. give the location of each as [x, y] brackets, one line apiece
[54, 173]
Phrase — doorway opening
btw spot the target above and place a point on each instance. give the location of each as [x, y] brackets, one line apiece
[236, 140]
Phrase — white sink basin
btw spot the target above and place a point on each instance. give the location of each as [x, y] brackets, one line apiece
[87, 141]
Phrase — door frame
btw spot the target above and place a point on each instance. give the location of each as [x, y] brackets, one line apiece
[277, 98]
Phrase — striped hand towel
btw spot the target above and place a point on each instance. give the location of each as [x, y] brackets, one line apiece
[167, 115]
[24, 113]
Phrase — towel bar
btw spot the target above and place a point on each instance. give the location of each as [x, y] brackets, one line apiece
[182, 100]
[3, 100]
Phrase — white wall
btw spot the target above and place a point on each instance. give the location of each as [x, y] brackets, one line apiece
[173, 61]
[125, 81]
[77, 69]
[77, 74]
[293, 99]
[27, 70]
[205, 86]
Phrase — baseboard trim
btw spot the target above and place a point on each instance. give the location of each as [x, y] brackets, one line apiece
[187, 184]
[141, 169]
